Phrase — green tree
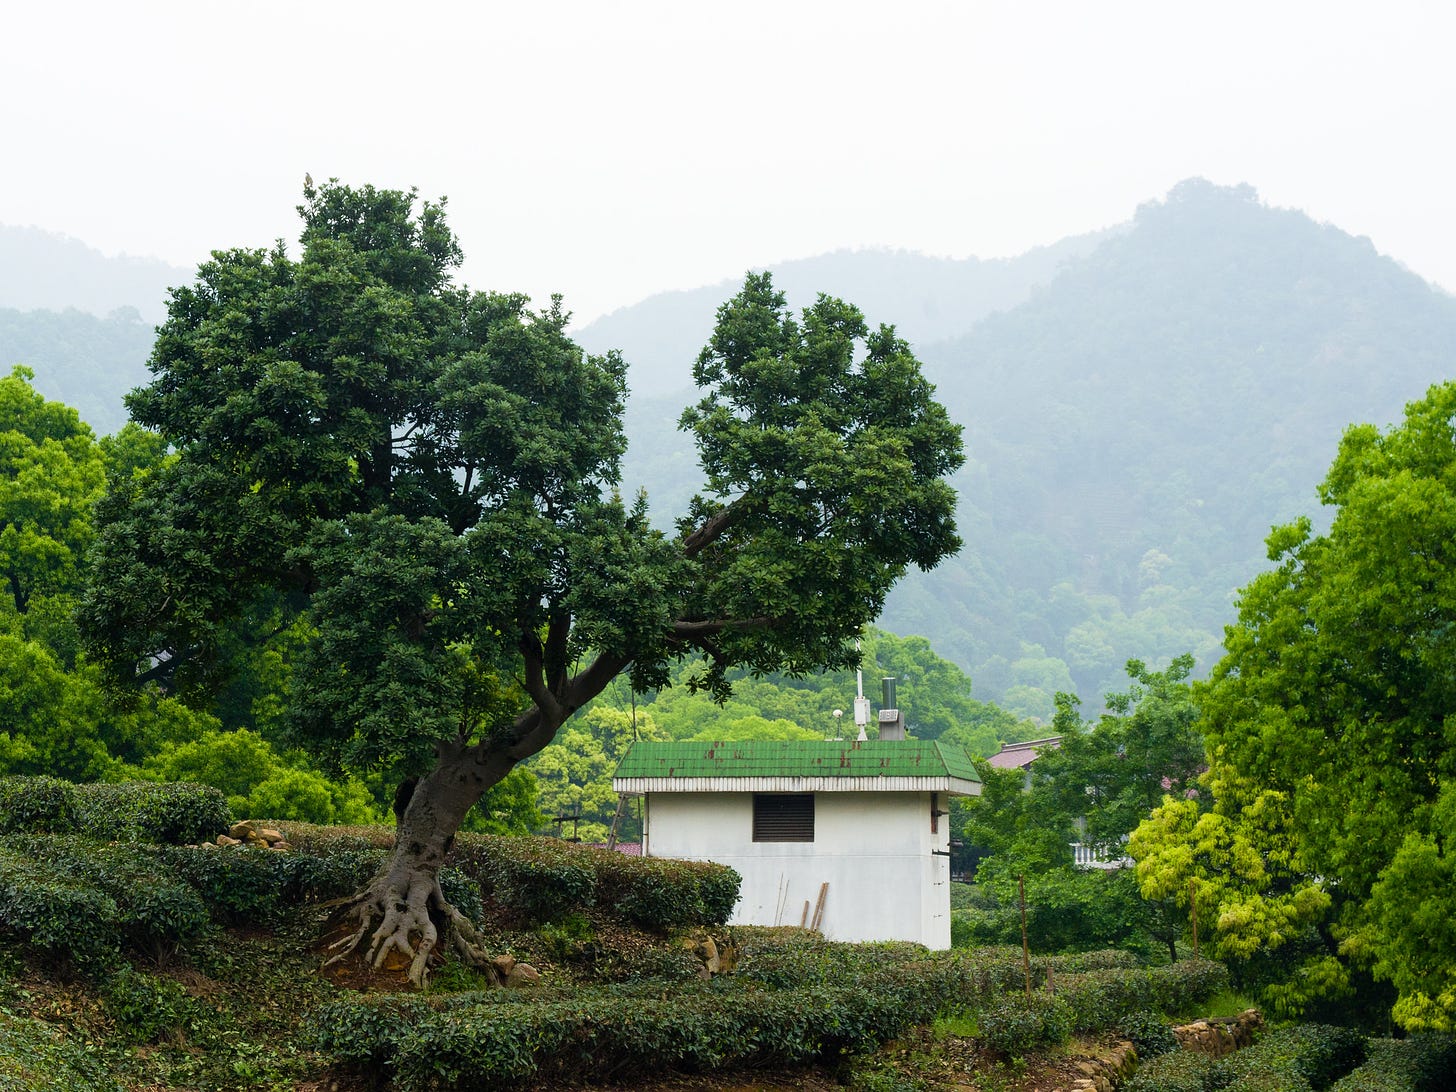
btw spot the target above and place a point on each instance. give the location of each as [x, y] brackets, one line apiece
[426, 476]
[575, 771]
[261, 783]
[51, 473]
[1111, 774]
[1330, 720]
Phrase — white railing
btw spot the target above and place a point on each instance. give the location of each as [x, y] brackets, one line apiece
[1085, 856]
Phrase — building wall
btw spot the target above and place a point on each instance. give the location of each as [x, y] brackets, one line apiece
[875, 850]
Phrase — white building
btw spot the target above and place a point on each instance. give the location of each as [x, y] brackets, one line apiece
[853, 835]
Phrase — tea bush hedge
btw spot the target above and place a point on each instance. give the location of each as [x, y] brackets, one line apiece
[37, 805]
[617, 1032]
[1303, 1056]
[128, 811]
[1423, 1063]
[1176, 1071]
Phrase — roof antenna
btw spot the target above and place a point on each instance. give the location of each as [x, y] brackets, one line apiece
[861, 703]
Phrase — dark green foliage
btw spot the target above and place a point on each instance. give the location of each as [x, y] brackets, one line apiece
[242, 884]
[56, 913]
[539, 879]
[36, 1056]
[169, 813]
[1422, 1063]
[1175, 1071]
[626, 1031]
[146, 1008]
[657, 893]
[1148, 1032]
[37, 805]
[542, 879]
[1301, 1056]
[1178, 985]
[154, 910]
[1015, 1024]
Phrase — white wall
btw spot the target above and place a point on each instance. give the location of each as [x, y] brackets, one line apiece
[873, 849]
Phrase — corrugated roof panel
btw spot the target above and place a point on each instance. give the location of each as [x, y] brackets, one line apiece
[795, 758]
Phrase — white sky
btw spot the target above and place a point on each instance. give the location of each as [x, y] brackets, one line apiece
[608, 150]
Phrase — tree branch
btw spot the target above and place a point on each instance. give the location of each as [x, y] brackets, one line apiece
[714, 526]
[557, 632]
[534, 679]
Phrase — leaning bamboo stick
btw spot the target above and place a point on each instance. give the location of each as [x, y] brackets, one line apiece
[819, 910]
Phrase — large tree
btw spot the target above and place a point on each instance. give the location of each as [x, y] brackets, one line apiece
[425, 476]
[1331, 733]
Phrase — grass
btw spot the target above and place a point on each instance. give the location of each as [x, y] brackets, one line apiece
[1222, 1004]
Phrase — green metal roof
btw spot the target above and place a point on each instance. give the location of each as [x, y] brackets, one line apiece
[807, 758]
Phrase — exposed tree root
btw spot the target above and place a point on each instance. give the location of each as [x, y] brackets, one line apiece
[410, 914]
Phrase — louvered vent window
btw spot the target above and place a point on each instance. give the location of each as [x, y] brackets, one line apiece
[783, 817]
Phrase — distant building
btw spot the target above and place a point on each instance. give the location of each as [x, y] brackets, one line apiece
[853, 834]
[1020, 756]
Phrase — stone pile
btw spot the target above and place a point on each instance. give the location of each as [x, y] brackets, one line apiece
[1107, 1070]
[250, 832]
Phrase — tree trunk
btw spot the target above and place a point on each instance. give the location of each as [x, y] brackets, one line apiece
[402, 909]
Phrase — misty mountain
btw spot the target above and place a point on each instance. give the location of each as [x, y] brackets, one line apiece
[926, 299]
[40, 270]
[1134, 428]
[1137, 427]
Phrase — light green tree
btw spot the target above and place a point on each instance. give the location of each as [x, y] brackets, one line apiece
[1329, 728]
[51, 473]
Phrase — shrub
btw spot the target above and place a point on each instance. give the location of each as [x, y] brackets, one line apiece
[37, 805]
[172, 813]
[1149, 1034]
[147, 1009]
[487, 1041]
[55, 912]
[243, 884]
[1014, 1024]
[539, 879]
[1187, 982]
[1305, 1055]
[1176, 1071]
[154, 910]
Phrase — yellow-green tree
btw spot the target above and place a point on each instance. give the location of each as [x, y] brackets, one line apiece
[1331, 731]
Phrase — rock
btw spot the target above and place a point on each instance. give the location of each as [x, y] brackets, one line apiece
[242, 830]
[280, 846]
[224, 840]
[523, 974]
[504, 965]
[270, 835]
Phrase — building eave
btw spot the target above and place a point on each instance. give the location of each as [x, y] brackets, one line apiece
[951, 786]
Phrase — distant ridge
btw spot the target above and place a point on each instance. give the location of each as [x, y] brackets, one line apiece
[40, 270]
[927, 299]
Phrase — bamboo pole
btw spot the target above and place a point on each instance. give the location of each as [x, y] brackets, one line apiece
[818, 923]
[1025, 949]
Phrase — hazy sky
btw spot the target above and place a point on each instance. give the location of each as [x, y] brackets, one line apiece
[609, 150]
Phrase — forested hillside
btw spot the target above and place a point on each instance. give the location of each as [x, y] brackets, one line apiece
[1134, 429]
[1137, 426]
[1140, 407]
[85, 361]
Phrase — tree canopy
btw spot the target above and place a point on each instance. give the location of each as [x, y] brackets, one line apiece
[1330, 732]
[425, 475]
